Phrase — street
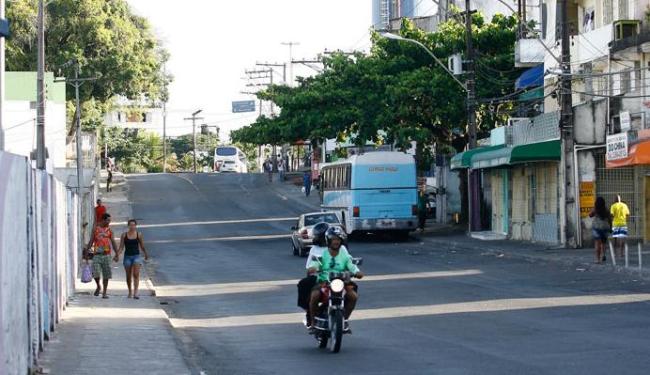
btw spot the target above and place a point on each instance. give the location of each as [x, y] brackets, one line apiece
[224, 272]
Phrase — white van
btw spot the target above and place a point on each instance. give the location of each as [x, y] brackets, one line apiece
[230, 159]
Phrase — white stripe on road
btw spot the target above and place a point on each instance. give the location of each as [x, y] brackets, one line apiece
[210, 239]
[514, 304]
[212, 222]
[265, 286]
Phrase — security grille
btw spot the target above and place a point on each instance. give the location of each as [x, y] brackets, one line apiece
[626, 182]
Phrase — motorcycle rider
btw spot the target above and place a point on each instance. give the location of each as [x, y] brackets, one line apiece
[333, 260]
[319, 246]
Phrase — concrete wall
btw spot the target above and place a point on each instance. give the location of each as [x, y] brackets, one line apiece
[38, 259]
[590, 121]
[14, 332]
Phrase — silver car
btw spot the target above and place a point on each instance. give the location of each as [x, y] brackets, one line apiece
[302, 239]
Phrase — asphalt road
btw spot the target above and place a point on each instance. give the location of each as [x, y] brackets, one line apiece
[227, 277]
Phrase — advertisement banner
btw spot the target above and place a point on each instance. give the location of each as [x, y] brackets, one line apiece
[617, 146]
[587, 197]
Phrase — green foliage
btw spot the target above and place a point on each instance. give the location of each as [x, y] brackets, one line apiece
[104, 37]
[108, 42]
[396, 94]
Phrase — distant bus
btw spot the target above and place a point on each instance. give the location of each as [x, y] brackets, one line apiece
[375, 191]
[230, 159]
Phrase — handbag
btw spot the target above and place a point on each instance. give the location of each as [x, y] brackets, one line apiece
[86, 273]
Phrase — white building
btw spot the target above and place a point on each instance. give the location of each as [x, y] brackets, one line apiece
[20, 116]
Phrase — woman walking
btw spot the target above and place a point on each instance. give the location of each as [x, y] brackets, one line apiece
[132, 242]
[600, 227]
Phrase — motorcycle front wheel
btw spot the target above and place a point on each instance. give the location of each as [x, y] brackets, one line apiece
[322, 340]
[336, 332]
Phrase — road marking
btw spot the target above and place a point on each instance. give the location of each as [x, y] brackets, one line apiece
[498, 305]
[210, 239]
[283, 197]
[212, 222]
[194, 290]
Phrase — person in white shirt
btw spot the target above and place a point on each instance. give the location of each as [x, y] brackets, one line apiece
[319, 246]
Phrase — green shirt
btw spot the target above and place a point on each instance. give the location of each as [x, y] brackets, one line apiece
[340, 263]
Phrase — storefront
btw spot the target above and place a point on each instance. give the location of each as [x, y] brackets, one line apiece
[520, 186]
[624, 169]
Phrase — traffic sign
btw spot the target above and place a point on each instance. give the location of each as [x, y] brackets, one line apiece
[243, 106]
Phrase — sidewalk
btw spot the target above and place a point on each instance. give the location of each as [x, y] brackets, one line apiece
[116, 335]
[580, 259]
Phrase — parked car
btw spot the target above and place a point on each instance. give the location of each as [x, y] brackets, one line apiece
[302, 239]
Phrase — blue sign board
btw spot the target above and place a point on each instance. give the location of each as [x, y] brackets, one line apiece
[4, 28]
[243, 106]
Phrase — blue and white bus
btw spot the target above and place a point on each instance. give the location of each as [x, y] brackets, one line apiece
[375, 191]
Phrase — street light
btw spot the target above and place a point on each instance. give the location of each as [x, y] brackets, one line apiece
[392, 36]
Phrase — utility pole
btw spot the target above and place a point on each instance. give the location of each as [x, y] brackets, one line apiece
[165, 136]
[194, 118]
[165, 123]
[290, 44]
[77, 83]
[472, 176]
[40, 89]
[568, 221]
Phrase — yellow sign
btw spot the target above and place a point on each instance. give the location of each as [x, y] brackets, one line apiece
[587, 197]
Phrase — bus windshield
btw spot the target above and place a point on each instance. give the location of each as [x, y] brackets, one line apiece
[226, 151]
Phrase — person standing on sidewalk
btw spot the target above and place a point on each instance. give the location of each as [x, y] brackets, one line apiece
[600, 227]
[306, 181]
[422, 210]
[104, 242]
[281, 167]
[620, 213]
[109, 179]
[132, 242]
[100, 210]
[268, 168]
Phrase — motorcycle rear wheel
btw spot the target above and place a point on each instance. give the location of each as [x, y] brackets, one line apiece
[336, 331]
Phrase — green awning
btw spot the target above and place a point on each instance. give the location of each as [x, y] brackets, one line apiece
[491, 159]
[533, 94]
[464, 159]
[542, 151]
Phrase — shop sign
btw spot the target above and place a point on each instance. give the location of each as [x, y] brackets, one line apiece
[587, 197]
[617, 146]
[626, 120]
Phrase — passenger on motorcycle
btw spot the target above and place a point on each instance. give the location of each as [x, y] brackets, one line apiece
[318, 248]
[333, 260]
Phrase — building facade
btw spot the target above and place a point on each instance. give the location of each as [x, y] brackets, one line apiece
[522, 199]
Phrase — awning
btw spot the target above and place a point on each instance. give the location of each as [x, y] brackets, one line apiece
[464, 159]
[491, 159]
[531, 78]
[638, 150]
[542, 151]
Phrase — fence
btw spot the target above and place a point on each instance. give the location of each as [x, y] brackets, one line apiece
[38, 259]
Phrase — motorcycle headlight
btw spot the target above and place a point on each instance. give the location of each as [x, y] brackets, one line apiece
[337, 285]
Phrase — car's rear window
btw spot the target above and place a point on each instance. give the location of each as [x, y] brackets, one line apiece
[325, 218]
[226, 151]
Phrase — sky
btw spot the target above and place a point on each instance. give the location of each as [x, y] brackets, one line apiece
[213, 42]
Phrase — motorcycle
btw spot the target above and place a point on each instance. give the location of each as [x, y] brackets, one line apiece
[329, 322]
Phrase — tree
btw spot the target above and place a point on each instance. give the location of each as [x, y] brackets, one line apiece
[106, 39]
[396, 94]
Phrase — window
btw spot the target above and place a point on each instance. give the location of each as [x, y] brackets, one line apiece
[608, 12]
[622, 9]
[626, 81]
[637, 76]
